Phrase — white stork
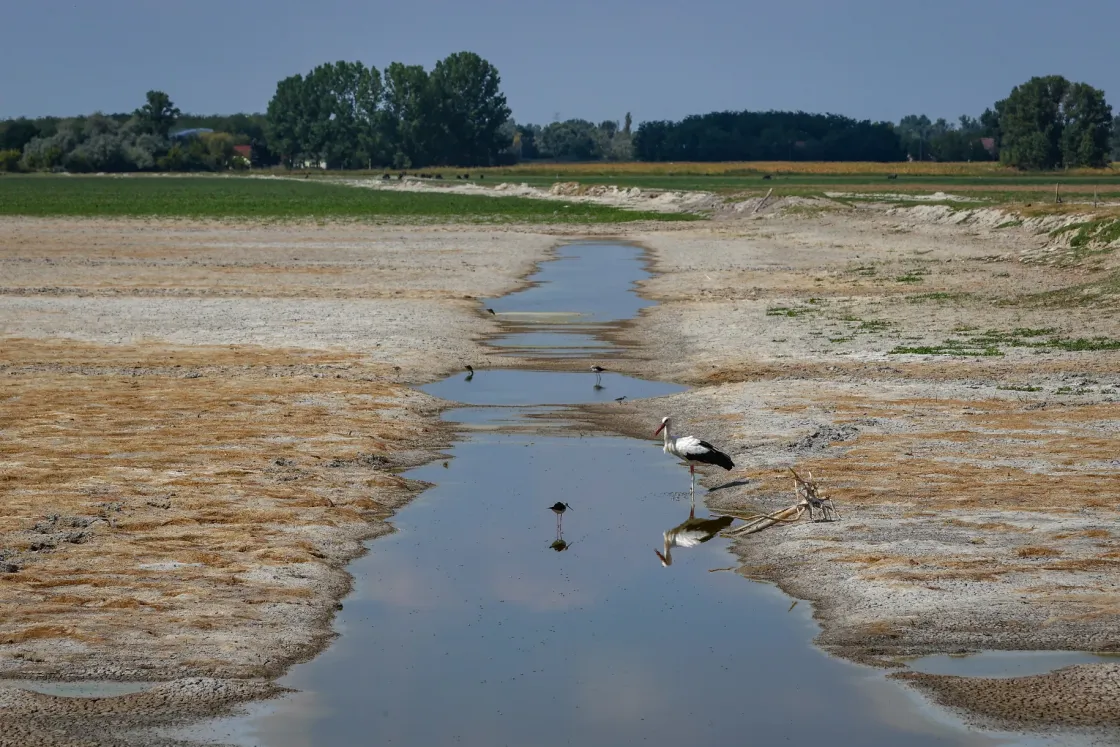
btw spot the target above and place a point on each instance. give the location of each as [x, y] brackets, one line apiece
[691, 533]
[692, 450]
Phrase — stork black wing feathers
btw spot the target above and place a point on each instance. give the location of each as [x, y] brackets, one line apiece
[713, 456]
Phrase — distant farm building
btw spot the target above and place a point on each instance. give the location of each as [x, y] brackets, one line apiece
[243, 155]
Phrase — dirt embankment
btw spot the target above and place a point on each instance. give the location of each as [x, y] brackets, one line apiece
[200, 425]
[959, 404]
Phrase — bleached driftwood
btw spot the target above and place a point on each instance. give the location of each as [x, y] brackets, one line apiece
[808, 499]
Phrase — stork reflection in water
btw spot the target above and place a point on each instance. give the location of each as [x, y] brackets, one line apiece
[692, 533]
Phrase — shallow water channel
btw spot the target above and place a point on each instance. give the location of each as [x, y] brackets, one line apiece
[481, 621]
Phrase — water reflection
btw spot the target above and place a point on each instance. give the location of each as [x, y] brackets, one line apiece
[560, 544]
[692, 532]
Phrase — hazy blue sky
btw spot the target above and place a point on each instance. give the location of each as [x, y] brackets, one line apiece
[595, 59]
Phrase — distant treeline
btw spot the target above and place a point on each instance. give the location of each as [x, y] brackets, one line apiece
[767, 136]
[141, 141]
[345, 115]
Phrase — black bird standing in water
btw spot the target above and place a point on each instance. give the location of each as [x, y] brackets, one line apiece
[598, 371]
[559, 508]
[470, 373]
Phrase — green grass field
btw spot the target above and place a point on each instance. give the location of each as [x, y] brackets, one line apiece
[276, 199]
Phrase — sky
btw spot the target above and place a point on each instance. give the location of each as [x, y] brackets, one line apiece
[591, 59]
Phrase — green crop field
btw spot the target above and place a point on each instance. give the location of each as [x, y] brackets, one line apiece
[279, 199]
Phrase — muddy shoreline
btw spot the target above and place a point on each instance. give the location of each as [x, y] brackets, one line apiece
[765, 382]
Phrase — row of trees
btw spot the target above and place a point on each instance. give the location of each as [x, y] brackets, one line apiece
[576, 140]
[347, 115]
[1045, 123]
[767, 136]
[141, 141]
[941, 140]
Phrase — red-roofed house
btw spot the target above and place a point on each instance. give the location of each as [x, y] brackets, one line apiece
[245, 152]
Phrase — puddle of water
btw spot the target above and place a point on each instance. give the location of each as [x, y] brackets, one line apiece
[505, 387]
[588, 285]
[593, 279]
[84, 689]
[1005, 663]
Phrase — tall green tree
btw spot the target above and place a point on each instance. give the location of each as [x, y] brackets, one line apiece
[286, 120]
[1049, 122]
[340, 108]
[1087, 126]
[1030, 123]
[158, 115]
[1116, 138]
[470, 109]
[408, 120]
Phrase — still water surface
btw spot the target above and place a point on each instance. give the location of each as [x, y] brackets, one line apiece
[483, 621]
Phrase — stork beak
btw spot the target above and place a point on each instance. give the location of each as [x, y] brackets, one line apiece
[664, 562]
[659, 429]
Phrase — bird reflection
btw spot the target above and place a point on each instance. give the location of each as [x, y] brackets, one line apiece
[692, 533]
[560, 545]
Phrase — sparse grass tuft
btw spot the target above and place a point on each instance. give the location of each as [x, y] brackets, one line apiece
[793, 312]
[1037, 551]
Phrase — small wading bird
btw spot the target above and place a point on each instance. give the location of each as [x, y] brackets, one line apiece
[470, 373]
[558, 508]
[692, 450]
[598, 371]
[691, 533]
[490, 310]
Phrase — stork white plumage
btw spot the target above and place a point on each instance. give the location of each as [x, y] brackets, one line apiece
[692, 450]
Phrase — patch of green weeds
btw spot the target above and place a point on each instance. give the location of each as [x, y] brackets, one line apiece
[951, 347]
[790, 311]
[913, 276]
[1041, 340]
[1019, 388]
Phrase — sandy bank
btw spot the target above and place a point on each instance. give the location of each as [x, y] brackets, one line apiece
[978, 490]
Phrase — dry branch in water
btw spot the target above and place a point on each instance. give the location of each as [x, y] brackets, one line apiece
[808, 499]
